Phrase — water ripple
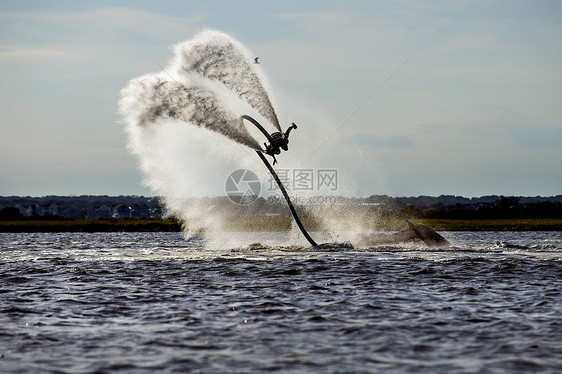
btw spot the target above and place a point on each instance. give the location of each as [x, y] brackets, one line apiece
[99, 303]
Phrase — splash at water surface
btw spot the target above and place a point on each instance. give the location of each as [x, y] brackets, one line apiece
[173, 118]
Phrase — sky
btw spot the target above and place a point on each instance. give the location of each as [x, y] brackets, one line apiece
[403, 98]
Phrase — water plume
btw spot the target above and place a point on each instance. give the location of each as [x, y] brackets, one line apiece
[183, 122]
[152, 99]
[215, 55]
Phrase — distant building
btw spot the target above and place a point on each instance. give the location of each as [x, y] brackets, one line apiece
[53, 210]
[100, 212]
[140, 211]
[25, 210]
[121, 211]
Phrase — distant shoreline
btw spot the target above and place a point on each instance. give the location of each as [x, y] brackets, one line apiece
[377, 212]
[269, 224]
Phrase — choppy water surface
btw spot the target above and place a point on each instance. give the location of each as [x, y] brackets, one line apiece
[154, 302]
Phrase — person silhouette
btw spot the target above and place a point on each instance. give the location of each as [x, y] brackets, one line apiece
[277, 142]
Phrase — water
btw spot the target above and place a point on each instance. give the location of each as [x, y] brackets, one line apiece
[153, 302]
[207, 76]
[183, 123]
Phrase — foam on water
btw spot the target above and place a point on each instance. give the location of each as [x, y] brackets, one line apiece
[154, 302]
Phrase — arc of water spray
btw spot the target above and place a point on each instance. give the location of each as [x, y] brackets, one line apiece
[185, 90]
[217, 56]
[171, 77]
[203, 85]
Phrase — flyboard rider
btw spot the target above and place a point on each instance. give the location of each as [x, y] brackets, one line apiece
[278, 141]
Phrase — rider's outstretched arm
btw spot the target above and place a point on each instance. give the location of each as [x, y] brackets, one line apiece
[293, 126]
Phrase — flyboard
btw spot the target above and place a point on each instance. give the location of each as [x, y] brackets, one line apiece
[276, 141]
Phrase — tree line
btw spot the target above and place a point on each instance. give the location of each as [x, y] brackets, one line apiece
[445, 207]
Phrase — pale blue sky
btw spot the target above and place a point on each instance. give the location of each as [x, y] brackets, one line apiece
[475, 110]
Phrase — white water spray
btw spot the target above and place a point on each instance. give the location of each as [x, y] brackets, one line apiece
[174, 118]
[217, 56]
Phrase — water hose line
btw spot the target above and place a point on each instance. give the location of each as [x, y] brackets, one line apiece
[295, 215]
[281, 187]
[257, 124]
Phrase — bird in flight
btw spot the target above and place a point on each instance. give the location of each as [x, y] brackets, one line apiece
[256, 60]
